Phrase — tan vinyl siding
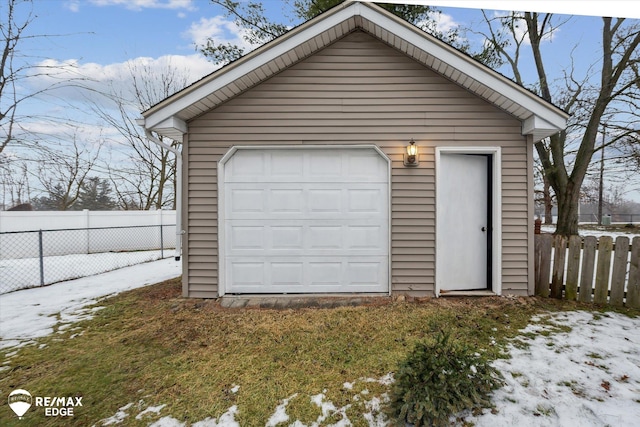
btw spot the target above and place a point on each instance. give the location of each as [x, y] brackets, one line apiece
[361, 91]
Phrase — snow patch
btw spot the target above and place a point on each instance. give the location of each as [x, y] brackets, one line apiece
[588, 377]
[167, 422]
[374, 416]
[150, 410]
[228, 419]
[118, 417]
[32, 313]
[280, 415]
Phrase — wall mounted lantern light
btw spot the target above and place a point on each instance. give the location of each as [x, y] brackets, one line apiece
[411, 156]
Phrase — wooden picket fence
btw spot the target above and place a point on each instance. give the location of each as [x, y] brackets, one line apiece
[565, 268]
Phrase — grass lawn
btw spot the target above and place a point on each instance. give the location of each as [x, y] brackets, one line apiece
[150, 347]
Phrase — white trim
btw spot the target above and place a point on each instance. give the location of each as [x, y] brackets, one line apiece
[229, 154]
[538, 127]
[496, 206]
[173, 123]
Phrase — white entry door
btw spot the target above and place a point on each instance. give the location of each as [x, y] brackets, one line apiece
[463, 222]
[306, 220]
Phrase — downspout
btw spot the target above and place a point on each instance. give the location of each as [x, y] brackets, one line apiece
[178, 153]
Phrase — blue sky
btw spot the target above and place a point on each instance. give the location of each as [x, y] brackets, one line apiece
[109, 32]
[99, 38]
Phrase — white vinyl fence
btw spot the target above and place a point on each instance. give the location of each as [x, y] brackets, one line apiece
[41, 248]
[87, 232]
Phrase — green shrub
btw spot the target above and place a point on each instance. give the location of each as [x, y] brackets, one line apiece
[439, 378]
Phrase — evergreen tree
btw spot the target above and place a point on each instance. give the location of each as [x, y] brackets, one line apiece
[95, 195]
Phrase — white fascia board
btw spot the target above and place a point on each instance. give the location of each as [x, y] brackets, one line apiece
[468, 66]
[271, 52]
[172, 128]
[538, 127]
[171, 123]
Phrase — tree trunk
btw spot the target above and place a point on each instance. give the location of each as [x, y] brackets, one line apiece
[568, 200]
[548, 202]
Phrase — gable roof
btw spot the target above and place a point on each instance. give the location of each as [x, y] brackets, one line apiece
[539, 117]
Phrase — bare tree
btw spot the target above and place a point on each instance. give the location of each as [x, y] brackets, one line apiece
[566, 156]
[544, 196]
[10, 74]
[148, 178]
[62, 173]
[18, 68]
[257, 28]
[14, 182]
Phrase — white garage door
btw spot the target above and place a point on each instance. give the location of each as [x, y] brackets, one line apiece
[306, 220]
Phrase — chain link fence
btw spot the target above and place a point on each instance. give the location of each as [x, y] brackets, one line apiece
[37, 258]
[623, 218]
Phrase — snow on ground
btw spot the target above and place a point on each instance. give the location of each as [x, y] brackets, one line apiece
[596, 233]
[587, 377]
[33, 313]
[23, 273]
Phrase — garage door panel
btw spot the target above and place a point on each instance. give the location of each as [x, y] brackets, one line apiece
[287, 274]
[367, 237]
[365, 200]
[286, 200]
[324, 165]
[247, 200]
[244, 237]
[247, 274]
[305, 201]
[364, 273]
[300, 275]
[287, 237]
[324, 200]
[300, 221]
[325, 274]
[325, 237]
[372, 237]
[286, 165]
[366, 168]
[251, 165]
[333, 165]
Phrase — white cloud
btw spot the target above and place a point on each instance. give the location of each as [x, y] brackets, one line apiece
[444, 22]
[72, 5]
[69, 107]
[521, 30]
[72, 75]
[137, 5]
[147, 4]
[439, 23]
[219, 29]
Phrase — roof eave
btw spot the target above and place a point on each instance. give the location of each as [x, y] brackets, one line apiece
[254, 59]
[541, 119]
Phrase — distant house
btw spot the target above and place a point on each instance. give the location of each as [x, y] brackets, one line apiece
[299, 174]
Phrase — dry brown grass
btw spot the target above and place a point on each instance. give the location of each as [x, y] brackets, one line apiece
[152, 345]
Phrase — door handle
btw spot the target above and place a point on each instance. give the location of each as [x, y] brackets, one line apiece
[484, 229]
